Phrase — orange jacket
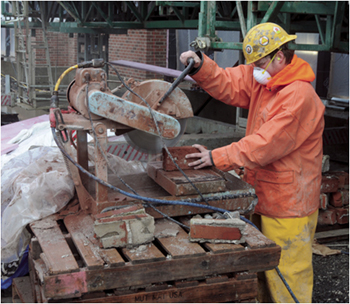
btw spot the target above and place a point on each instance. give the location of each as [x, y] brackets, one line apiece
[282, 150]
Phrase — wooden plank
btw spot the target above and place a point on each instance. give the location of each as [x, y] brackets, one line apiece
[22, 290]
[144, 254]
[229, 291]
[112, 257]
[180, 246]
[255, 239]
[58, 254]
[220, 248]
[77, 283]
[332, 235]
[80, 227]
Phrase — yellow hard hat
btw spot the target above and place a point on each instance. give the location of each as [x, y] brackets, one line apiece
[263, 39]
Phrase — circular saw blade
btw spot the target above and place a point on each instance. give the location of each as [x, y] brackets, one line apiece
[152, 144]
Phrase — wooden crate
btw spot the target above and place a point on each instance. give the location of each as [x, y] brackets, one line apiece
[66, 264]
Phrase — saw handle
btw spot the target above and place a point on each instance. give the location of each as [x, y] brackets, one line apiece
[178, 79]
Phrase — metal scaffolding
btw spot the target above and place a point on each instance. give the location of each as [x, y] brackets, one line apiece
[329, 19]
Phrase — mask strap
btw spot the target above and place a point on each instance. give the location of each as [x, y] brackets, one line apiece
[270, 61]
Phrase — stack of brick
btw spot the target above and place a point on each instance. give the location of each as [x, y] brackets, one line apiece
[334, 199]
[129, 226]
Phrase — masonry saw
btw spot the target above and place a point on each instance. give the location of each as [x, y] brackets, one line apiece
[150, 114]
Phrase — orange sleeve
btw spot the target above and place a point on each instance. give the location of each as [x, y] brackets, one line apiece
[232, 86]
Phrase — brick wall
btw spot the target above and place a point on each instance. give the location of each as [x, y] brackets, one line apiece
[144, 46]
[62, 48]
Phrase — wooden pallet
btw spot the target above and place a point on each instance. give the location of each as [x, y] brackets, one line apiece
[67, 263]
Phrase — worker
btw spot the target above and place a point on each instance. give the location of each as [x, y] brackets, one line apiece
[282, 151]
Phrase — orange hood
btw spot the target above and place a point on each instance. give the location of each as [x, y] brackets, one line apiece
[298, 69]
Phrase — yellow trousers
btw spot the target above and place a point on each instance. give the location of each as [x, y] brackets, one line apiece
[295, 236]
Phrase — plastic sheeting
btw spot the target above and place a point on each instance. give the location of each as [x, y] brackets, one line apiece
[34, 185]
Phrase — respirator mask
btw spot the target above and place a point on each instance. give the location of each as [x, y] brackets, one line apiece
[262, 76]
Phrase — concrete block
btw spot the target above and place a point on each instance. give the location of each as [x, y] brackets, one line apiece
[217, 230]
[340, 198]
[324, 201]
[125, 230]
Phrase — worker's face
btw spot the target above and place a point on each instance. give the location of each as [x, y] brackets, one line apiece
[267, 63]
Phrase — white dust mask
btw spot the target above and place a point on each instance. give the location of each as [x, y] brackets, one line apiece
[262, 76]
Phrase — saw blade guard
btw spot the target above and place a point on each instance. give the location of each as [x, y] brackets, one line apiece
[176, 105]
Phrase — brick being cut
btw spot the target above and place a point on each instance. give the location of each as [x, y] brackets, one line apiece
[217, 230]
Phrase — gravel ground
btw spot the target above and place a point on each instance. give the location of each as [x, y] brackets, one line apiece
[331, 275]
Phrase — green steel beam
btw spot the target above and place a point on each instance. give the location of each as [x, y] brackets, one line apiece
[301, 7]
[99, 10]
[337, 22]
[178, 4]
[272, 11]
[320, 30]
[134, 11]
[202, 19]
[153, 5]
[178, 14]
[71, 10]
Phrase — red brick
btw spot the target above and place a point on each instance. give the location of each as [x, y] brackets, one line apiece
[323, 201]
[178, 153]
[343, 178]
[330, 183]
[342, 215]
[216, 230]
[340, 198]
[327, 217]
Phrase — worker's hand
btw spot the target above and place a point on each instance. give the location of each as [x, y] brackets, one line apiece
[190, 54]
[203, 158]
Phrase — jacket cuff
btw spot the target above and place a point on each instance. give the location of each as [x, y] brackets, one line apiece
[195, 70]
[211, 158]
